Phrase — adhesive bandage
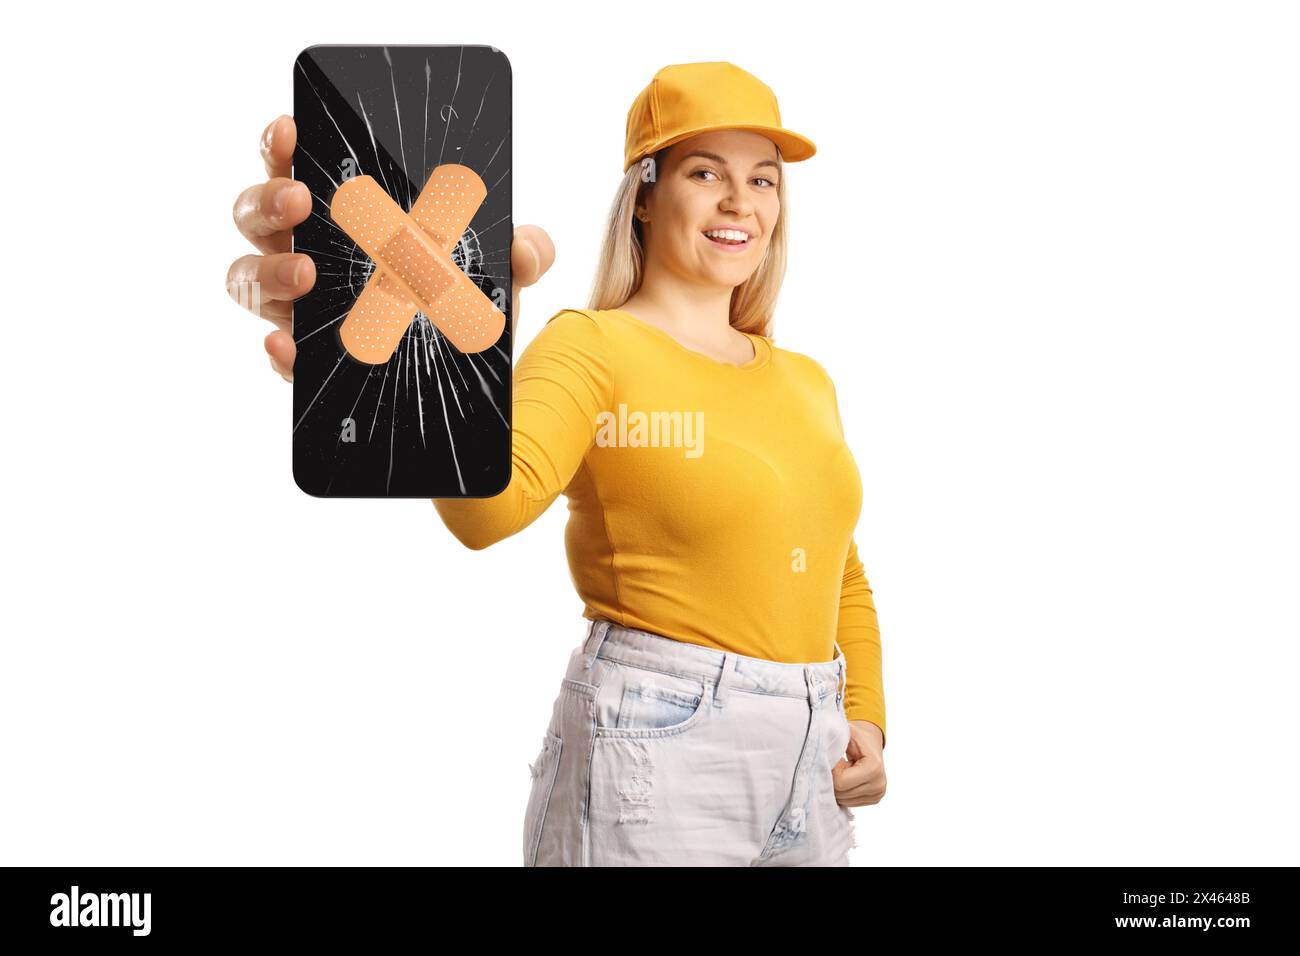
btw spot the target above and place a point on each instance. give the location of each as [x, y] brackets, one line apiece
[414, 270]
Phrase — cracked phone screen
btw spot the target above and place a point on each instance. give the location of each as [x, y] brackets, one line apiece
[428, 420]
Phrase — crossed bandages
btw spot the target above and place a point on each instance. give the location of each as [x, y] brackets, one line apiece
[414, 270]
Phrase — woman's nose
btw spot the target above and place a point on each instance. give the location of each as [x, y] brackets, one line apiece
[735, 201]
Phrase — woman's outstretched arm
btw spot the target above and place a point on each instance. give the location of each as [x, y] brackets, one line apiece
[562, 381]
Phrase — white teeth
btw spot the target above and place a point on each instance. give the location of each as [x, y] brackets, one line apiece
[733, 234]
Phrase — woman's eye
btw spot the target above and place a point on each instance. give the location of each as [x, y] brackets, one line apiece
[709, 172]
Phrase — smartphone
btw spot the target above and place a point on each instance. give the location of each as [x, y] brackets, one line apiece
[402, 380]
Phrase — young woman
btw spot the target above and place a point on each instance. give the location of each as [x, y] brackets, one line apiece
[732, 658]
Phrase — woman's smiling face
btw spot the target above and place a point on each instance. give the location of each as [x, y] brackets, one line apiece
[720, 180]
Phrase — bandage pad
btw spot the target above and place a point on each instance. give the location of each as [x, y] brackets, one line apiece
[414, 268]
[383, 312]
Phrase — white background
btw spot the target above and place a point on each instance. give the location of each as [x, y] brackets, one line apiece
[1047, 251]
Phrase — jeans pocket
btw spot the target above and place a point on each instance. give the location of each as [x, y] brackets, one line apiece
[543, 771]
[633, 702]
[648, 705]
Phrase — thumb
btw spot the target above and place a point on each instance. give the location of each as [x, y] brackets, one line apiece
[853, 750]
[531, 254]
[524, 263]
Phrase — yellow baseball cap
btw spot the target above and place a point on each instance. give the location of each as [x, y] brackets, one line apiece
[689, 98]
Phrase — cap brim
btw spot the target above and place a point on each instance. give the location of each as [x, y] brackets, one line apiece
[794, 148]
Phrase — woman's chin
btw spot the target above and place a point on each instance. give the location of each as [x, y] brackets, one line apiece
[730, 275]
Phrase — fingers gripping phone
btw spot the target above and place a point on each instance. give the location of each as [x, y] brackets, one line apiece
[402, 380]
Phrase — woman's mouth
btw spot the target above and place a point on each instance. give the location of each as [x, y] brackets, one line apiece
[731, 240]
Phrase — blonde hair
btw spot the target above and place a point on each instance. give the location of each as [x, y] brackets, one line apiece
[622, 258]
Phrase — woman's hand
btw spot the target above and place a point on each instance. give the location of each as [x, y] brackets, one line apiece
[267, 284]
[862, 782]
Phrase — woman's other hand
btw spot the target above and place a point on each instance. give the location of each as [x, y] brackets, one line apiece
[861, 782]
[267, 284]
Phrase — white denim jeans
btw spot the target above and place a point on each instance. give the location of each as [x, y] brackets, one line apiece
[664, 753]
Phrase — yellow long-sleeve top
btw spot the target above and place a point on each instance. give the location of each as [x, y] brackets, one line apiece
[729, 525]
